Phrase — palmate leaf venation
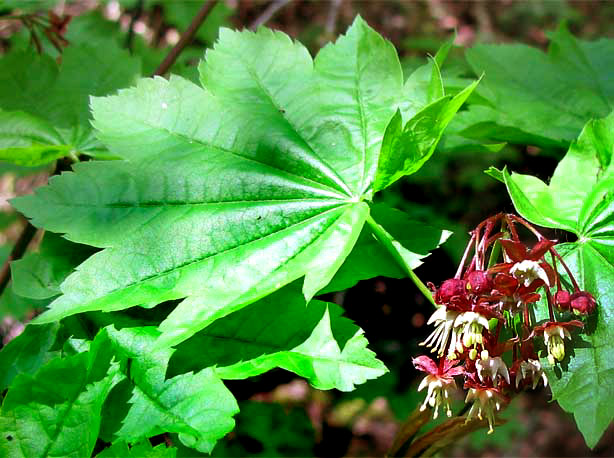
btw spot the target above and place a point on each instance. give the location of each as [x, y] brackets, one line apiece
[228, 192]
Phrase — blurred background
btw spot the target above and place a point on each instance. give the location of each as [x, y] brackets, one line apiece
[280, 414]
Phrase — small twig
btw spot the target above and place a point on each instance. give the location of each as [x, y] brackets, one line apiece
[186, 37]
[135, 16]
[268, 13]
[331, 20]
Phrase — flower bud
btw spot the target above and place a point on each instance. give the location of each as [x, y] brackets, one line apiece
[473, 354]
[562, 299]
[478, 282]
[582, 303]
[449, 289]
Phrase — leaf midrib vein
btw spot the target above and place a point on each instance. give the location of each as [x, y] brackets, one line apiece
[363, 121]
[193, 203]
[204, 258]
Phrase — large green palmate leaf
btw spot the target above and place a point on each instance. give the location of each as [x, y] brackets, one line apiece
[547, 99]
[312, 340]
[580, 199]
[56, 410]
[44, 112]
[227, 193]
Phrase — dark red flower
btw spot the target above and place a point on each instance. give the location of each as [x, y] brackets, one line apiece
[449, 289]
[505, 284]
[562, 299]
[518, 252]
[582, 303]
[479, 282]
[448, 369]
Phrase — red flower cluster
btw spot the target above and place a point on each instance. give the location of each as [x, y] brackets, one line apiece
[495, 290]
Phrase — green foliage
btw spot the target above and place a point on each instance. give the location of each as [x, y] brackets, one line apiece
[239, 200]
[580, 199]
[56, 410]
[46, 116]
[367, 260]
[39, 275]
[140, 450]
[545, 100]
[174, 405]
[27, 353]
[406, 148]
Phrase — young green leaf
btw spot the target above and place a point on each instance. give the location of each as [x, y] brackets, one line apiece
[313, 341]
[545, 101]
[56, 410]
[224, 209]
[580, 199]
[406, 148]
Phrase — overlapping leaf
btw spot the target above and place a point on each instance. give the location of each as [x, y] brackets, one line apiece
[56, 410]
[26, 353]
[580, 199]
[141, 450]
[39, 275]
[313, 341]
[228, 193]
[44, 111]
[197, 406]
[547, 98]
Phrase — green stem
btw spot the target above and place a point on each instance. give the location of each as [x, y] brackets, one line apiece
[389, 243]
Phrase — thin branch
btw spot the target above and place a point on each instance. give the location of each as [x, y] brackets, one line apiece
[186, 37]
[331, 20]
[133, 18]
[268, 13]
